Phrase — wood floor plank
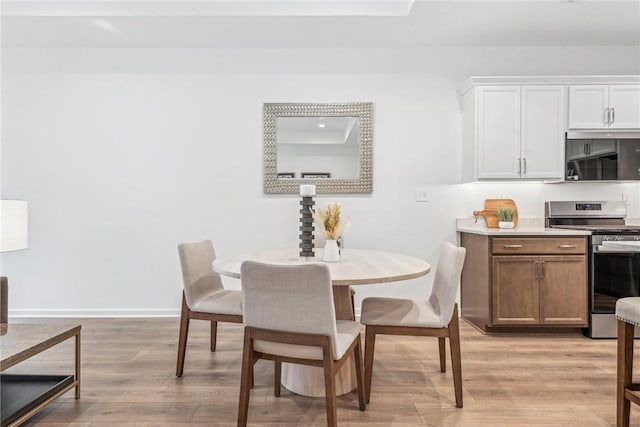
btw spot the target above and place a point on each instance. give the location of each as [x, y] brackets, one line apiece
[510, 380]
[120, 413]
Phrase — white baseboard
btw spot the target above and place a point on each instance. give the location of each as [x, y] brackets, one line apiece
[100, 312]
[95, 312]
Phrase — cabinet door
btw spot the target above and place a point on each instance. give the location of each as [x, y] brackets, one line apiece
[515, 291]
[498, 132]
[563, 290]
[625, 103]
[542, 130]
[587, 104]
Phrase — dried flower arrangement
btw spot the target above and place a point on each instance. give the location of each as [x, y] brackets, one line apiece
[330, 221]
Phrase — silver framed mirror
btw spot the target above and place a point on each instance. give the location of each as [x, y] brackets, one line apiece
[329, 145]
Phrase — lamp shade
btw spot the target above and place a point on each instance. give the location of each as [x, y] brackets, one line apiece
[14, 225]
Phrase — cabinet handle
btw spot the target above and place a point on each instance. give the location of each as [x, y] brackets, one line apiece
[567, 246]
[512, 246]
[542, 269]
[606, 116]
[519, 166]
[613, 116]
[524, 169]
[537, 270]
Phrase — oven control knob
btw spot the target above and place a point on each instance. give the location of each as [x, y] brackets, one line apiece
[606, 238]
[636, 238]
[618, 238]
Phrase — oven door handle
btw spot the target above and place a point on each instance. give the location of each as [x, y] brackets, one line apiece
[601, 249]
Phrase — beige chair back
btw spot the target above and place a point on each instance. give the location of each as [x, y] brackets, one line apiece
[289, 298]
[198, 276]
[447, 280]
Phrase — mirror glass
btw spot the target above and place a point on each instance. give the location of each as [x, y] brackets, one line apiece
[329, 145]
[318, 147]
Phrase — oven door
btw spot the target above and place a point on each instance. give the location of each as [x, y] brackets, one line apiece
[615, 273]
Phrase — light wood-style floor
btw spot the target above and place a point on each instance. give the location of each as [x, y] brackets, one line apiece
[128, 379]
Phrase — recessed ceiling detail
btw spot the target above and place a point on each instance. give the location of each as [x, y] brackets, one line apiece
[209, 8]
[318, 24]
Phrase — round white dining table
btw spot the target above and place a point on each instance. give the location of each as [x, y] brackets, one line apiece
[356, 267]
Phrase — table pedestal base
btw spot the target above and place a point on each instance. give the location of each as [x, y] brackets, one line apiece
[309, 380]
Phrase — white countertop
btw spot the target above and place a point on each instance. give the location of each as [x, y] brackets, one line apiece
[526, 227]
[522, 231]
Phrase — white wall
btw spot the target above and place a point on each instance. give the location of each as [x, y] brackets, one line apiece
[124, 153]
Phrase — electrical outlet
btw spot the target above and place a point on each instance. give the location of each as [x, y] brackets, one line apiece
[422, 195]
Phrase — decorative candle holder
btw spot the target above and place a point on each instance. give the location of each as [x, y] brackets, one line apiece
[306, 227]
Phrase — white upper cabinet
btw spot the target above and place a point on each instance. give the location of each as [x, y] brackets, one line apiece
[514, 127]
[519, 132]
[587, 106]
[604, 106]
[624, 104]
[542, 135]
[498, 135]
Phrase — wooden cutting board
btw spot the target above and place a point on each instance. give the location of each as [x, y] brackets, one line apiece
[491, 206]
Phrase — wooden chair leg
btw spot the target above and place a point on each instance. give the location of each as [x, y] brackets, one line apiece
[353, 302]
[456, 360]
[625, 371]
[214, 333]
[442, 349]
[4, 295]
[330, 391]
[182, 339]
[245, 379]
[369, 346]
[357, 356]
[251, 382]
[277, 378]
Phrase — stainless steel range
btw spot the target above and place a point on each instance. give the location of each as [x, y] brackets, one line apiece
[613, 273]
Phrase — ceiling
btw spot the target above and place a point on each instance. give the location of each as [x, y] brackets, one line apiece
[422, 23]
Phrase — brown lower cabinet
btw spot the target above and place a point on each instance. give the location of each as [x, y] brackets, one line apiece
[531, 282]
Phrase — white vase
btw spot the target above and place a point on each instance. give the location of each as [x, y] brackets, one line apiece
[506, 224]
[331, 252]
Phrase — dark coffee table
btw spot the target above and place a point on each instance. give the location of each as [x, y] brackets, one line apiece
[23, 396]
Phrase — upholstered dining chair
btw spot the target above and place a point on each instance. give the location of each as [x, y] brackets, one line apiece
[203, 296]
[289, 316]
[628, 391]
[437, 316]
